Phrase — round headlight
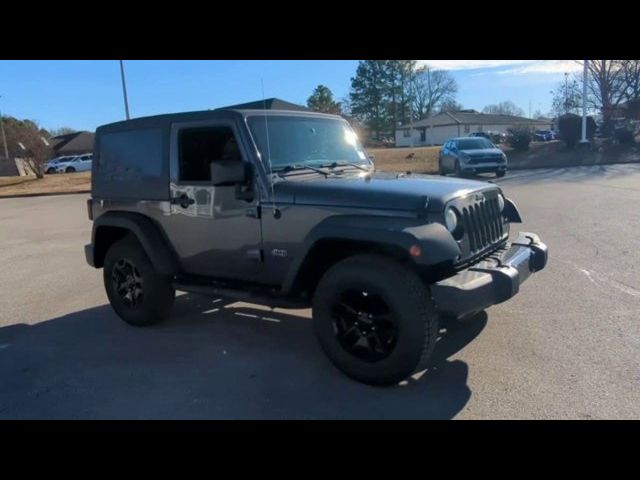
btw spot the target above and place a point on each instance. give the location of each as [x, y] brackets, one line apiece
[451, 219]
[500, 202]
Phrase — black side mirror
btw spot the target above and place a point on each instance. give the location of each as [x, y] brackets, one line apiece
[230, 172]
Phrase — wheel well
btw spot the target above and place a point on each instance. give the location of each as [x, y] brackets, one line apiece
[327, 252]
[105, 237]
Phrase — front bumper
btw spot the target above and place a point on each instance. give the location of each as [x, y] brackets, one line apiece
[88, 254]
[479, 168]
[492, 280]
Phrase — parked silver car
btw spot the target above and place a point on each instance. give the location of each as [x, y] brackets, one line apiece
[471, 155]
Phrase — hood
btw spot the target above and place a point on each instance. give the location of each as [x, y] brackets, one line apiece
[381, 190]
[483, 152]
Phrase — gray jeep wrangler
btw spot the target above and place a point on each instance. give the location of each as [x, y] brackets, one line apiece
[286, 209]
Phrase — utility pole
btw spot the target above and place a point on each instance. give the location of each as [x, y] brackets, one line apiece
[4, 137]
[124, 90]
[566, 93]
[585, 74]
[411, 104]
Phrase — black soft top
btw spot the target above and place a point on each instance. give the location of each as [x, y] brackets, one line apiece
[202, 115]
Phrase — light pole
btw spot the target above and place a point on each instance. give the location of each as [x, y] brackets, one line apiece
[4, 137]
[585, 73]
[411, 104]
[124, 90]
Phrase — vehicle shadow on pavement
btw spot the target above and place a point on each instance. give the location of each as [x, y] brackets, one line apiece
[210, 360]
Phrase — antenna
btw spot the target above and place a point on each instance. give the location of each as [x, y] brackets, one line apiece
[276, 212]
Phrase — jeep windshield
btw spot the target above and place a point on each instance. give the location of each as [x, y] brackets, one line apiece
[306, 143]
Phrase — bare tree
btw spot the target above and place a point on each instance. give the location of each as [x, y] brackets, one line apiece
[26, 140]
[504, 108]
[567, 97]
[450, 106]
[606, 87]
[37, 152]
[62, 131]
[631, 73]
[431, 89]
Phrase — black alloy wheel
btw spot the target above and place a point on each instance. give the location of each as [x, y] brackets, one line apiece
[364, 325]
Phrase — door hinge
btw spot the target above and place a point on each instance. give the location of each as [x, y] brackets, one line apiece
[254, 212]
[256, 254]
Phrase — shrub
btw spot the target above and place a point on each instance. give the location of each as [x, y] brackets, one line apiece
[624, 136]
[519, 138]
[570, 128]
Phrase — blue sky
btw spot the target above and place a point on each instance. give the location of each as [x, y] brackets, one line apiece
[84, 94]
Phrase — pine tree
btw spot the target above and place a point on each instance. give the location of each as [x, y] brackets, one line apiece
[369, 89]
[321, 100]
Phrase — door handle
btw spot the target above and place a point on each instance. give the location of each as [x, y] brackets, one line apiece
[183, 200]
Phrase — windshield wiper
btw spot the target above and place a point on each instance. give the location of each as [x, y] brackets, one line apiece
[292, 168]
[345, 164]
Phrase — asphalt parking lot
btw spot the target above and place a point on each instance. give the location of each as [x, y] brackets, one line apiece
[568, 346]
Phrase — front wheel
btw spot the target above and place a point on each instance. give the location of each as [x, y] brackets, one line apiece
[375, 331]
[137, 292]
[500, 173]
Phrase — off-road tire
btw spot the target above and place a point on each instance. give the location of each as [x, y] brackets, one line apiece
[158, 290]
[408, 299]
[70, 170]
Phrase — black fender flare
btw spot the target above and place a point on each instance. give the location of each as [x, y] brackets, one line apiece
[511, 211]
[147, 233]
[434, 239]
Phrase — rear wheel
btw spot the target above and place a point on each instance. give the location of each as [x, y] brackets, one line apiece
[51, 170]
[139, 295]
[375, 331]
[70, 170]
[500, 173]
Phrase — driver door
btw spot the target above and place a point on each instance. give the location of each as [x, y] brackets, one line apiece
[214, 232]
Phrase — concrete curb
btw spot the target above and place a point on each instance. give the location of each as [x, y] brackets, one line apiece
[49, 194]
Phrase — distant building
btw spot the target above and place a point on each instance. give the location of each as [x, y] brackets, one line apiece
[267, 104]
[75, 143]
[439, 128]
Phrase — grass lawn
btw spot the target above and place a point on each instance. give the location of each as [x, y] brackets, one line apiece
[416, 160]
[58, 183]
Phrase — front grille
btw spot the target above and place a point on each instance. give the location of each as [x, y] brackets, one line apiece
[494, 159]
[482, 224]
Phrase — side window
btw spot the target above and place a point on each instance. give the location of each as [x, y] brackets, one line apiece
[199, 147]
